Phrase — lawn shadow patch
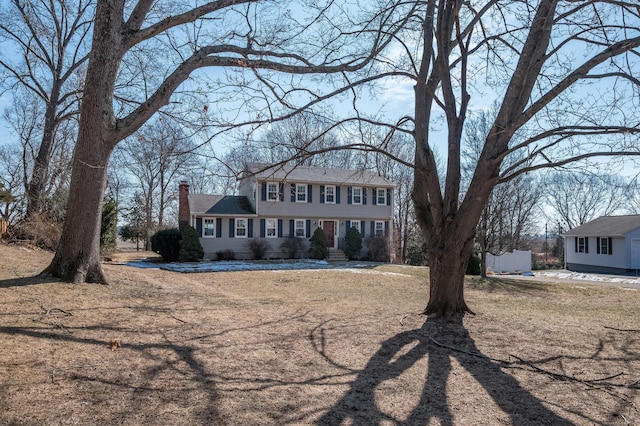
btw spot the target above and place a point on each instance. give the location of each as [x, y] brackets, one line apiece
[399, 353]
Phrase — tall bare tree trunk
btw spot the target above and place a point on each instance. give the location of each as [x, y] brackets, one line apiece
[77, 258]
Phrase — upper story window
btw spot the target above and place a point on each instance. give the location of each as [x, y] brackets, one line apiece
[271, 228]
[272, 191]
[330, 194]
[301, 193]
[300, 228]
[241, 228]
[209, 228]
[379, 230]
[381, 196]
[357, 195]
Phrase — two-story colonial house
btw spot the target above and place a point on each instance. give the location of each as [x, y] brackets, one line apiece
[275, 203]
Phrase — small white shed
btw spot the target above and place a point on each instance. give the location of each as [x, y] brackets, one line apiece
[516, 261]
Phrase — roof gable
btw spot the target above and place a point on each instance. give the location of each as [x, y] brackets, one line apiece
[611, 226]
[289, 173]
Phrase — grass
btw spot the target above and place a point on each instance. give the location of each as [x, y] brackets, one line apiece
[309, 347]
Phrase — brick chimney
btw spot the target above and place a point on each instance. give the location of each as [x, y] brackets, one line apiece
[184, 215]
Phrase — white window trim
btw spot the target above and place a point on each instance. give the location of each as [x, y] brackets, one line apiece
[333, 194]
[582, 244]
[382, 191]
[304, 228]
[359, 222]
[300, 192]
[246, 227]
[204, 227]
[353, 195]
[275, 228]
[375, 228]
[269, 192]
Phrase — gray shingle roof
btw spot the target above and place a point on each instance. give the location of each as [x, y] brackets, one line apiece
[611, 226]
[305, 174]
[219, 204]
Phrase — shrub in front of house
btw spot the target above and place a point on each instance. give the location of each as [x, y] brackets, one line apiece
[190, 248]
[258, 247]
[226, 255]
[377, 249]
[473, 265]
[166, 243]
[352, 243]
[319, 244]
[292, 247]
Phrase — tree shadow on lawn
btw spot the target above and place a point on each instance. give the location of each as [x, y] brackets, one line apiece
[25, 281]
[359, 403]
[144, 386]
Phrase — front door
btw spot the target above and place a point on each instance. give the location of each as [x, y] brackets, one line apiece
[328, 226]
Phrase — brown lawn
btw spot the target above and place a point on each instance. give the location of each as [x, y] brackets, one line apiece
[310, 347]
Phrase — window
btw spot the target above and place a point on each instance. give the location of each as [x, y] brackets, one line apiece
[330, 194]
[381, 196]
[300, 228]
[604, 245]
[271, 228]
[582, 245]
[241, 228]
[379, 228]
[355, 224]
[209, 228]
[301, 193]
[357, 195]
[272, 192]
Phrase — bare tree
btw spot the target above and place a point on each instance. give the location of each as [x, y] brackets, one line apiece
[564, 75]
[45, 49]
[226, 36]
[576, 198]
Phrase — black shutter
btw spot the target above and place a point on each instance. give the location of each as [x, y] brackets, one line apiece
[374, 192]
[362, 226]
[586, 244]
[219, 227]
[250, 228]
[199, 226]
[337, 195]
[349, 195]
[576, 240]
[610, 245]
[262, 228]
[386, 228]
[309, 193]
[264, 191]
[293, 192]
[373, 228]
[232, 228]
[292, 228]
[598, 245]
[388, 197]
[348, 225]
[308, 228]
[364, 195]
[321, 194]
[279, 228]
[281, 191]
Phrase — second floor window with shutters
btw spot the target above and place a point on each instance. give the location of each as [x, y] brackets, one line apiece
[357, 195]
[381, 196]
[301, 193]
[330, 194]
[272, 192]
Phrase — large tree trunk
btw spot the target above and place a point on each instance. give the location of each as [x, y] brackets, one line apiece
[77, 258]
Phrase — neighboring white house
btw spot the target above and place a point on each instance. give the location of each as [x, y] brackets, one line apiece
[608, 244]
[279, 202]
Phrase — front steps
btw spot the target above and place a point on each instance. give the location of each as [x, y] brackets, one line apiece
[337, 256]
